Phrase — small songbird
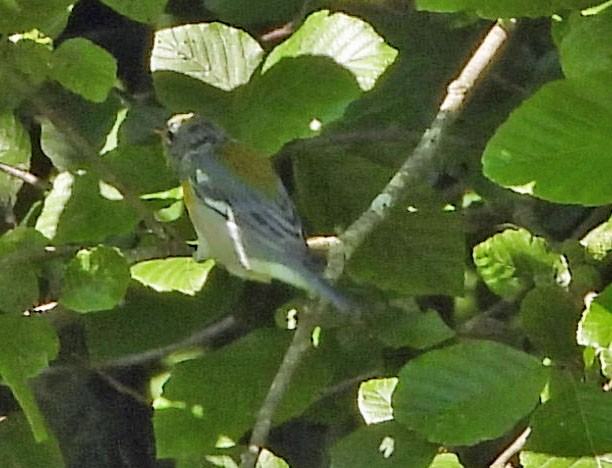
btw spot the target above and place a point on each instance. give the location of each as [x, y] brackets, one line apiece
[240, 209]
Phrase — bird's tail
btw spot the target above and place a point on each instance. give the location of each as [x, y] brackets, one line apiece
[329, 292]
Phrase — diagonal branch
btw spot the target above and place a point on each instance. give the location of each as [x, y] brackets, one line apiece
[416, 167]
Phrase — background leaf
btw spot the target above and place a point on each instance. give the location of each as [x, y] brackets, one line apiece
[463, 386]
[94, 280]
[76, 211]
[23, 15]
[15, 150]
[374, 400]
[302, 100]
[26, 346]
[595, 328]
[580, 409]
[181, 274]
[20, 249]
[144, 11]
[413, 253]
[513, 261]
[19, 449]
[214, 53]
[75, 61]
[205, 414]
[585, 33]
[505, 9]
[536, 149]
[349, 41]
[550, 320]
[386, 444]
[254, 11]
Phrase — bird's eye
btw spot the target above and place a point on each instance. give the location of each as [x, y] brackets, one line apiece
[175, 123]
[172, 130]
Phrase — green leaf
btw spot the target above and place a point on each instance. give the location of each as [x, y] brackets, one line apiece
[90, 121]
[143, 169]
[573, 423]
[541, 460]
[267, 459]
[181, 274]
[514, 260]
[54, 205]
[221, 393]
[27, 344]
[595, 327]
[84, 68]
[147, 320]
[214, 53]
[467, 393]
[19, 251]
[144, 11]
[550, 318]
[15, 151]
[76, 211]
[141, 123]
[374, 400]
[413, 253]
[95, 279]
[182, 93]
[267, 116]
[349, 41]
[583, 48]
[24, 15]
[19, 290]
[385, 445]
[415, 329]
[505, 9]
[536, 149]
[18, 449]
[321, 175]
[598, 241]
[446, 460]
[23, 67]
[605, 360]
[254, 11]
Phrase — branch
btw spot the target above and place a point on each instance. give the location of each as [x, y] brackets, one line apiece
[300, 344]
[413, 169]
[514, 448]
[201, 340]
[417, 166]
[25, 176]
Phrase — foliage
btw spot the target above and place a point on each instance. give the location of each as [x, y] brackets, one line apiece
[487, 291]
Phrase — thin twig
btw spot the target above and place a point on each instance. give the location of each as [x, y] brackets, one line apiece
[414, 168]
[512, 450]
[200, 340]
[279, 33]
[300, 344]
[25, 176]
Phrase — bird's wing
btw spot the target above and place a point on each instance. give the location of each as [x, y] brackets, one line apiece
[271, 223]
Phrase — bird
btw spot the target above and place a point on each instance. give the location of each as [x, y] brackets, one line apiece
[240, 210]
